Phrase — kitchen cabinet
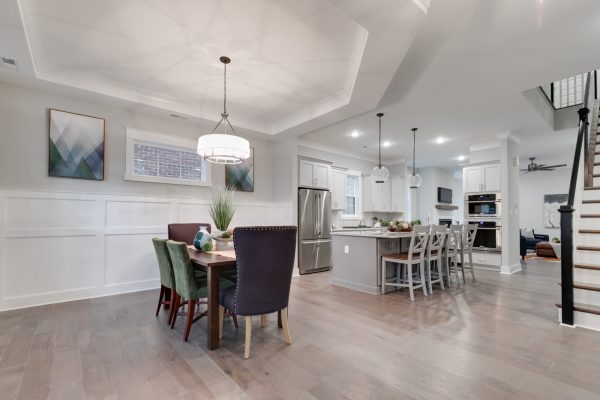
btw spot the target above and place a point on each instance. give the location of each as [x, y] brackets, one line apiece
[313, 174]
[481, 178]
[338, 189]
[383, 197]
[397, 195]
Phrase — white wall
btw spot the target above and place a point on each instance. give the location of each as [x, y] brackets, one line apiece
[434, 177]
[533, 187]
[64, 239]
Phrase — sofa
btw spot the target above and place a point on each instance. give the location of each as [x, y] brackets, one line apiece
[528, 243]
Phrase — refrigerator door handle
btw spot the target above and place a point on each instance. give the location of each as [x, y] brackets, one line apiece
[319, 216]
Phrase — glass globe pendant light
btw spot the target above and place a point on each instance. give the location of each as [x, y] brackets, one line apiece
[380, 174]
[414, 179]
[224, 148]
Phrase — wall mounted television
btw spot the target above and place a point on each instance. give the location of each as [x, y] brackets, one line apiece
[444, 195]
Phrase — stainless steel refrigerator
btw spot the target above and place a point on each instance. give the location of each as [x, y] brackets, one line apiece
[314, 238]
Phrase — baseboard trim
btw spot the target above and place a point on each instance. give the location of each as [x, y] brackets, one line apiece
[355, 286]
[510, 269]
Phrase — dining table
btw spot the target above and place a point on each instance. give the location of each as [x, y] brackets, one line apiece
[213, 262]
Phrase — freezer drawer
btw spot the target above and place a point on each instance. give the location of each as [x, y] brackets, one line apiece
[314, 255]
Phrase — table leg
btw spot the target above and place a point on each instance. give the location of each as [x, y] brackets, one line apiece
[213, 309]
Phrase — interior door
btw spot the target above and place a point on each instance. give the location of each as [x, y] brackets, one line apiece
[324, 210]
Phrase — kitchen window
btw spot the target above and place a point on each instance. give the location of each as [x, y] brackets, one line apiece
[352, 195]
[152, 157]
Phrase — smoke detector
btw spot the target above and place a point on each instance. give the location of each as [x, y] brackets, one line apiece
[8, 63]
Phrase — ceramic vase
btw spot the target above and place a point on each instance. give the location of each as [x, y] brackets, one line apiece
[201, 238]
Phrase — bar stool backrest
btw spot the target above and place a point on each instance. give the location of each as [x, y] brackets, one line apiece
[418, 241]
[437, 237]
[455, 237]
[469, 236]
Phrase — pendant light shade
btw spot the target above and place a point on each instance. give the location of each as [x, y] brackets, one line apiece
[414, 179]
[380, 174]
[224, 148]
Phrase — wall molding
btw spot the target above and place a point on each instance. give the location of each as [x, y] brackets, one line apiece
[65, 246]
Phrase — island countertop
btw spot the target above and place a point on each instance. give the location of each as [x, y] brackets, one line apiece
[375, 234]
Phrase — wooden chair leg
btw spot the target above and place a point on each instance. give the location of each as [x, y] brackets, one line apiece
[286, 328]
[248, 337]
[175, 310]
[160, 298]
[172, 306]
[279, 323]
[221, 318]
[263, 320]
[235, 321]
[423, 277]
[411, 290]
[471, 265]
[190, 318]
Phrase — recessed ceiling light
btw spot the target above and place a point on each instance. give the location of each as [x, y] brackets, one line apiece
[386, 144]
[461, 158]
[355, 134]
[440, 140]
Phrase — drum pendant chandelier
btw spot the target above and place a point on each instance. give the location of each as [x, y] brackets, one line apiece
[224, 148]
[380, 174]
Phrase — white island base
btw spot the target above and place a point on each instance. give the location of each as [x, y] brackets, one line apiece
[357, 258]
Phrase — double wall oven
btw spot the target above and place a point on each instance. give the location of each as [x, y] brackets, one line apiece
[485, 211]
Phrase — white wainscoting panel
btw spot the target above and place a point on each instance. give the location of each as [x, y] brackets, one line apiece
[125, 263]
[63, 246]
[136, 213]
[48, 265]
[33, 213]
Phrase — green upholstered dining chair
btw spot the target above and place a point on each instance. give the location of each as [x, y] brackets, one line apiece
[189, 286]
[167, 277]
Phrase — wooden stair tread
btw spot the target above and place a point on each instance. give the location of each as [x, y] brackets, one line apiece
[592, 231]
[591, 201]
[592, 188]
[586, 286]
[588, 248]
[587, 266]
[586, 308]
[590, 215]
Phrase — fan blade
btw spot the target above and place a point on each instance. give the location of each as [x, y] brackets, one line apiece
[556, 166]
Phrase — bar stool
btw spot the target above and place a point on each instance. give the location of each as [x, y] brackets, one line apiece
[415, 255]
[437, 237]
[451, 255]
[469, 232]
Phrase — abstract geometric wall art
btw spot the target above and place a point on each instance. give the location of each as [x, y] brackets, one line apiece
[552, 203]
[76, 146]
[241, 176]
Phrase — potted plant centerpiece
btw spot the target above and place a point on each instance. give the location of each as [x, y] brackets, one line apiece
[221, 211]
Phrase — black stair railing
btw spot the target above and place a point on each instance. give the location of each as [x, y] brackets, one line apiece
[566, 213]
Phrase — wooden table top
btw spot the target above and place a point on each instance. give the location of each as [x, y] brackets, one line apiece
[212, 259]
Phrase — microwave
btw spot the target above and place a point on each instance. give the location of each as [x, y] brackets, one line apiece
[483, 205]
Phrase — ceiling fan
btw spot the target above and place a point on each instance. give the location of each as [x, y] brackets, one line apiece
[533, 167]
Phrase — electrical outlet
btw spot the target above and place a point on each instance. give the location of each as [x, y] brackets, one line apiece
[346, 249]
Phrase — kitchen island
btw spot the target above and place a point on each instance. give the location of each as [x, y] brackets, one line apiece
[357, 257]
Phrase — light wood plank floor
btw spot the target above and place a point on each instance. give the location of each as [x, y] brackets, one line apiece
[494, 339]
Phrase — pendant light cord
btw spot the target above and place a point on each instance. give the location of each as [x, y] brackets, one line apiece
[414, 149]
[380, 140]
[224, 114]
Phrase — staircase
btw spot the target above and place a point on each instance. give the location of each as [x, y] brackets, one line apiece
[586, 233]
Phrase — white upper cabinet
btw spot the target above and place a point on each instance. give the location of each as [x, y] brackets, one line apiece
[491, 178]
[397, 195]
[481, 178]
[383, 197]
[313, 174]
[338, 189]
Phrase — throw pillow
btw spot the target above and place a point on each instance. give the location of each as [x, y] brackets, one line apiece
[527, 233]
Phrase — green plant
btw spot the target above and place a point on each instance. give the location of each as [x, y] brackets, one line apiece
[556, 240]
[222, 208]
[208, 246]
[415, 222]
[225, 235]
